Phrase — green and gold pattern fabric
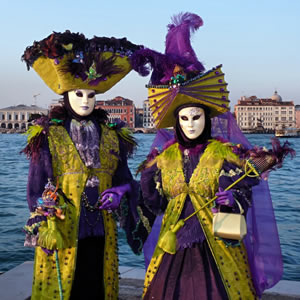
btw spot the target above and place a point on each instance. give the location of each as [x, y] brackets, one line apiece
[72, 175]
[231, 261]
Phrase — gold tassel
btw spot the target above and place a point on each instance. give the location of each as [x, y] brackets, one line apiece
[168, 240]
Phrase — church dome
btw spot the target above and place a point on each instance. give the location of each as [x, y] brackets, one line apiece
[276, 97]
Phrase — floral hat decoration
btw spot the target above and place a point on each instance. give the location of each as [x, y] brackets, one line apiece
[178, 77]
[68, 61]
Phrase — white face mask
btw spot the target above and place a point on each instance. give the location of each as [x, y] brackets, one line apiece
[82, 101]
[192, 121]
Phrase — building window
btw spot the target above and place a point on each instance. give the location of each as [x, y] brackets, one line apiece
[9, 117]
[3, 117]
[16, 117]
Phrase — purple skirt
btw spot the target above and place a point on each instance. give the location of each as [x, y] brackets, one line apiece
[190, 274]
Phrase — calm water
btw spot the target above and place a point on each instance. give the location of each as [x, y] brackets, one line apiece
[284, 185]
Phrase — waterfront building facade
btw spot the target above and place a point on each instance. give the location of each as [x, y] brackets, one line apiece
[119, 108]
[17, 117]
[148, 121]
[297, 112]
[139, 116]
[268, 114]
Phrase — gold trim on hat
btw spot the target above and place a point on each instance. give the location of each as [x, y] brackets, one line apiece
[209, 89]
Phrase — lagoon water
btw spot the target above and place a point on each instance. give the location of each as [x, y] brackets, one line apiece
[284, 185]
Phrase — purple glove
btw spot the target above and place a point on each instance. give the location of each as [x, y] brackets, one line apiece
[224, 197]
[111, 198]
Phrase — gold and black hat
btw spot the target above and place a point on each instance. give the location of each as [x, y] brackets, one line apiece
[68, 61]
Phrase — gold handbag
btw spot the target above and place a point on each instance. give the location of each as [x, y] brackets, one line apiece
[230, 225]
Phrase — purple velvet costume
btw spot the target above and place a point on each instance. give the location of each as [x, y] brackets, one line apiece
[89, 265]
[262, 241]
[41, 170]
[192, 269]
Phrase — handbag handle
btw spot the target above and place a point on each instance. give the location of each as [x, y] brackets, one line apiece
[240, 206]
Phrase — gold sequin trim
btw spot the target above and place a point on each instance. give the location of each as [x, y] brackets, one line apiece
[144, 219]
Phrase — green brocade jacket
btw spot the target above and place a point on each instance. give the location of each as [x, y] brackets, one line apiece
[72, 176]
[231, 261]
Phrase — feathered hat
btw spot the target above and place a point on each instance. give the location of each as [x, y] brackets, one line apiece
[178, 77]
[68, 61]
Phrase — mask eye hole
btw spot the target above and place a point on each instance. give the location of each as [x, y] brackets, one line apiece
[91, 95]
[196, 117]
[184, 118]
[79, 94]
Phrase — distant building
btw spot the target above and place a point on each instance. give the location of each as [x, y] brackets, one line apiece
[269, 113]
[16, 117]
[119, 108]
[148, 121]
[56, 102]
[297, 112]
[139, 115]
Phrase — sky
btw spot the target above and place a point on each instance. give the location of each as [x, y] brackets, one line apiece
[257, 42]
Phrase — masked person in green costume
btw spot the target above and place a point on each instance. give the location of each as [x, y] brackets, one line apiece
[75, 155]
[193, 175]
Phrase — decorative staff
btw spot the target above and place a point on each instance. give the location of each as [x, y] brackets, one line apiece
[260, 160]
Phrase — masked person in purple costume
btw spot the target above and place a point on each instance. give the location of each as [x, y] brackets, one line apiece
[190, 170]
[75, 155]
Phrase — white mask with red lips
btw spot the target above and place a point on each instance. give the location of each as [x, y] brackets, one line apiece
[82, 101]
[192, 121]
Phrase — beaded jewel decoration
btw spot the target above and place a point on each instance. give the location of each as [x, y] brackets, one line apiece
[48, 205]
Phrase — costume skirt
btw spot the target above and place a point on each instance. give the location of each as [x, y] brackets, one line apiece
[190, 274]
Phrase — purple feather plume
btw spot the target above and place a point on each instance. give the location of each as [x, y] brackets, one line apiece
[146, 59]
[189, 19]
[178, 39]
[178, 52]
[266, 160]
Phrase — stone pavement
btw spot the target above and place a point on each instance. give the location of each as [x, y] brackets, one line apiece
[16, 285]
[131, 289]
[131, 283]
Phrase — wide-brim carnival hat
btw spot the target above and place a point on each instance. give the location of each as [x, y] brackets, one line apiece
[178, 77]
[68, 61]
[208, 89]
